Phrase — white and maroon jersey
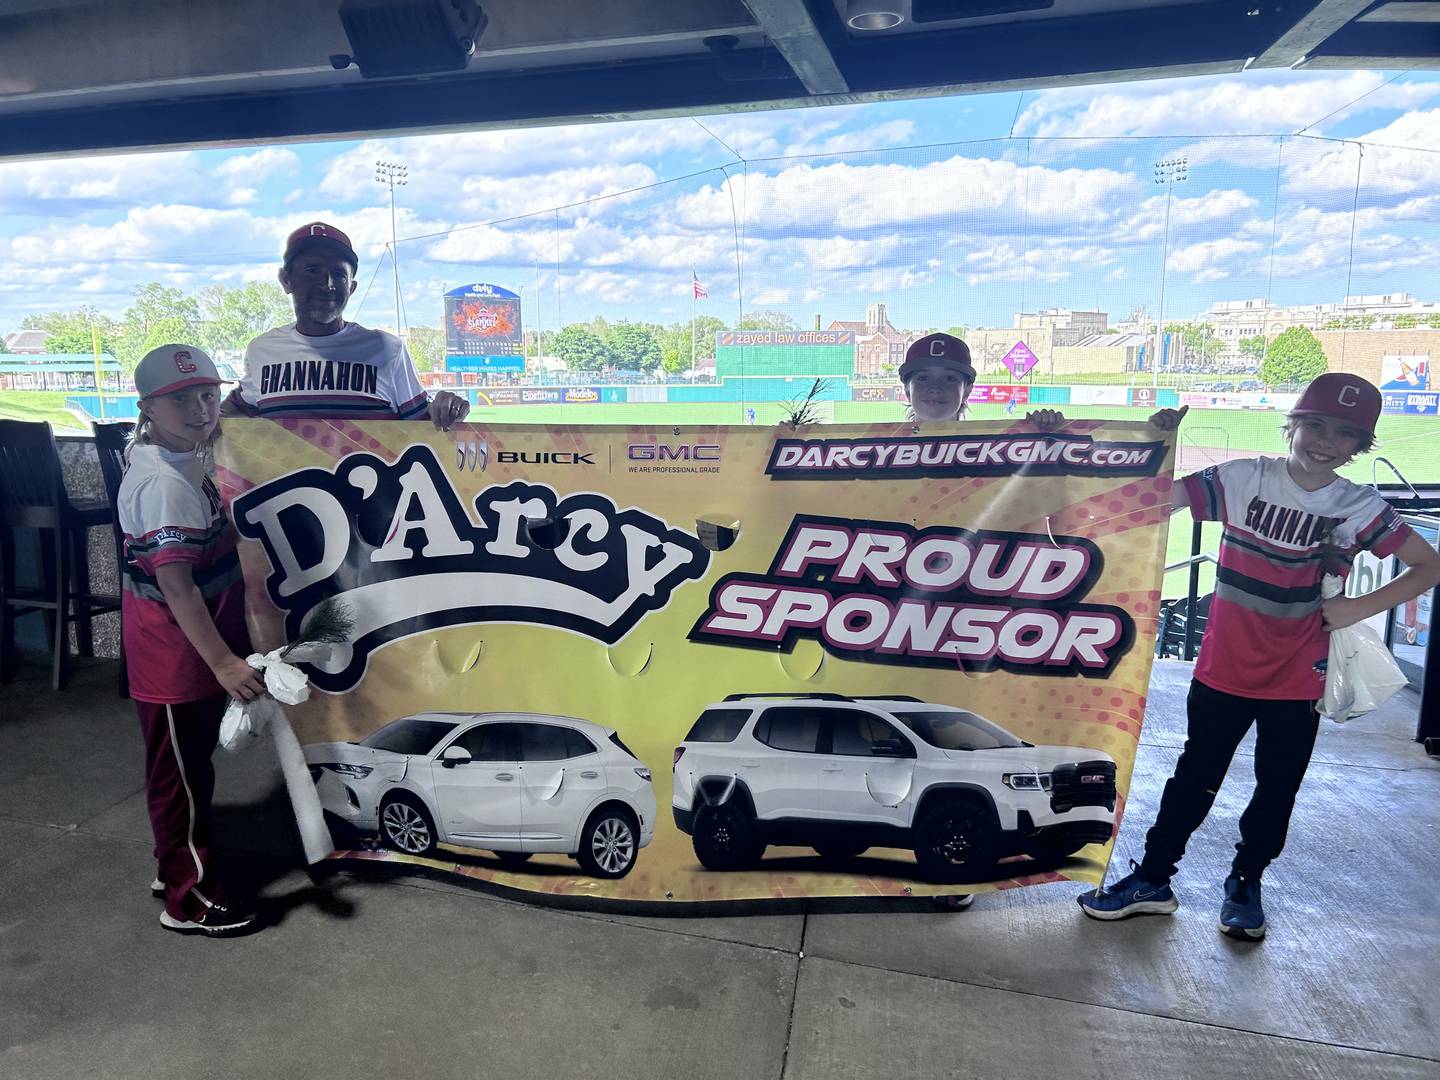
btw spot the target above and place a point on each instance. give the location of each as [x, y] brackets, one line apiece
[357, 373]
[170, 511]
[1264, 637]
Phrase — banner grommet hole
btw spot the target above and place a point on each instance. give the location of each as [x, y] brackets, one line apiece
[715, 535]
[547, 533]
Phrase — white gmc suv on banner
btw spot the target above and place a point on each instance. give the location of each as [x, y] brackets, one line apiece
[843, 774]
[511, 783]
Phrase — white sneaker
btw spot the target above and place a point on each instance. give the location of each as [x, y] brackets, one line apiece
[157, 889]
[217, 921]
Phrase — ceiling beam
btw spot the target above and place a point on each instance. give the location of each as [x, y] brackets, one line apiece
[1392, 45]
[1310, 31]
[790, 28]
[1160, 41]
[1140, 43]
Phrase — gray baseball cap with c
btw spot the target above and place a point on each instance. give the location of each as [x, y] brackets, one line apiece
[174, 367]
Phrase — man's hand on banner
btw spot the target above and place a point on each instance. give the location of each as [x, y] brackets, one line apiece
[1169, 419]
[447, 408]
[1046, 419]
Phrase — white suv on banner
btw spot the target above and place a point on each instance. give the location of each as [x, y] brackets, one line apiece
[843, 774]
[511, 783]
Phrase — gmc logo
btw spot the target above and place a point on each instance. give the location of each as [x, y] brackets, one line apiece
[662, 452]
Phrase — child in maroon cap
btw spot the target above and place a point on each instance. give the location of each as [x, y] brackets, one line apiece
[1287, 522]
[938, 376]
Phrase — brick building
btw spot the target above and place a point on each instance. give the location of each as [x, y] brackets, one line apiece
[1362, 352]
[878, 344]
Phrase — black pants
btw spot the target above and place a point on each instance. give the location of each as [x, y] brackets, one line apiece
[1284, 738]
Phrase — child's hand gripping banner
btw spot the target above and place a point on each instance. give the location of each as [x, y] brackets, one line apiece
[718, 663]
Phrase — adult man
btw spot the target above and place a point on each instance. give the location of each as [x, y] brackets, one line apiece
[323, 366]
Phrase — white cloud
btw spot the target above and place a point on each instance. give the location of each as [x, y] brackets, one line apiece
[1258, 103]
[1208, 257]
[259, 166]
[963, 191]
[887, 134]
[123, 179]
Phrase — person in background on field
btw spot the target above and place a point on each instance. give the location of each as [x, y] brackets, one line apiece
[323, 367]
[1286, 523]
[183, 614]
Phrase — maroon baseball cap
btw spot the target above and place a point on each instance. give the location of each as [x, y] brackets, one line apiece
[1345, 397]
[318, 234]
[937, 350]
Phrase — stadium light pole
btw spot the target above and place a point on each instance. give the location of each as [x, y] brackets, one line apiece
[1168, 172]
[393, 175]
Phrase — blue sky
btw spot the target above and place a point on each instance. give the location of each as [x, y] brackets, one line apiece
[949, 210]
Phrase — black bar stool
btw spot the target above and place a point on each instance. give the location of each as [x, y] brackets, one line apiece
[32, 495]
[110, 443]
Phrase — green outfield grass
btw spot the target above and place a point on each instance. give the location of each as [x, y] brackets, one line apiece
[39, 405]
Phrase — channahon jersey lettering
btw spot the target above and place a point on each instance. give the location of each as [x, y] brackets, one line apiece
[1264, 638]
[356, 372]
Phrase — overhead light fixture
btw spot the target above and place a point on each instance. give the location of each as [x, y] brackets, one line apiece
[392, 38]
[874, 14]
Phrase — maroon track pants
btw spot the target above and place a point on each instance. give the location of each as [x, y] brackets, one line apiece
[179, 784]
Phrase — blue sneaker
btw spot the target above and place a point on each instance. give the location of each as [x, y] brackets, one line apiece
[1241, 915]
[1131, 895]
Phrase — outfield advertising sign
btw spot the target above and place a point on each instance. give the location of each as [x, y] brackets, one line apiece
[483, 330]
[674, 665]
[1411, 403]
[1002, 395]
[1405, 372]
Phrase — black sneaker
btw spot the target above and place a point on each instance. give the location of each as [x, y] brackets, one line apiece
[1242, 915]
[217, 921]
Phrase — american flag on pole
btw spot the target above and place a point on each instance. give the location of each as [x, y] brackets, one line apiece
[698, 290]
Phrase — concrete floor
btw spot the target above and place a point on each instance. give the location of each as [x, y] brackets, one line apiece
[367, 975]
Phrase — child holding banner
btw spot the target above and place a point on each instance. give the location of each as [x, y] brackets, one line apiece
[938, 376]
[1262, 660]
[184, 626]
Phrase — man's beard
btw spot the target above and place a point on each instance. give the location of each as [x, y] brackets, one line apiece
[324, 311]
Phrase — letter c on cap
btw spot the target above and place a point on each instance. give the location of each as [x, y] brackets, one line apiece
[937, 347]
[1348, 397]
[183, 362]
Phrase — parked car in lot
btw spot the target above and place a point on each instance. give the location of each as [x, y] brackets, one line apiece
[843, 774]
[511, 783]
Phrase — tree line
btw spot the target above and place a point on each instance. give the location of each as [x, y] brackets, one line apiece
[222, 320]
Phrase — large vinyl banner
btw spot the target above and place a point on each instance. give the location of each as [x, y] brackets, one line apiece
[715, 663]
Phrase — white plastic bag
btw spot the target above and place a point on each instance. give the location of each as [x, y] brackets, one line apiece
[1360, 674]
[244, 724]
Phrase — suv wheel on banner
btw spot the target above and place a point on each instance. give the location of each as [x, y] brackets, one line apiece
[609, 843]
[406, 826]
[724, 837]
[955, 841]
[841, 850]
